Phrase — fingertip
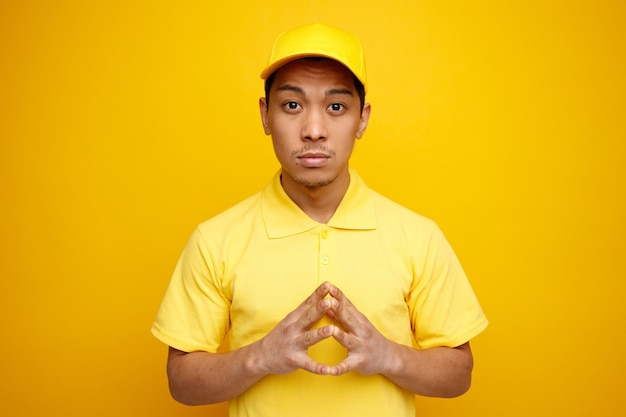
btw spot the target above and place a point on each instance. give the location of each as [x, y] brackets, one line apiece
[324, 288]
[333, 290]
[337, 333]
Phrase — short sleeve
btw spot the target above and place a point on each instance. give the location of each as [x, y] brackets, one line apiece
[194, 313]
[443, 307]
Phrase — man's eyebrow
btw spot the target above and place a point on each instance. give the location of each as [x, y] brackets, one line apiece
[334, 91]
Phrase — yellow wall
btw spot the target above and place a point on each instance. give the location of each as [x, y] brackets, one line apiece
[124, 124]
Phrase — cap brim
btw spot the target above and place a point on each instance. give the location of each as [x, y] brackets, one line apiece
[267, 72]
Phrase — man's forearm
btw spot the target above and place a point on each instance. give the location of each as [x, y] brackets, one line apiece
[198, 378]
[434, 372]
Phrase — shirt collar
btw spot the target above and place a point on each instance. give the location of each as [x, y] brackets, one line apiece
[282, 217]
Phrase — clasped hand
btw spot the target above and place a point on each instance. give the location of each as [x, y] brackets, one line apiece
[285, 348]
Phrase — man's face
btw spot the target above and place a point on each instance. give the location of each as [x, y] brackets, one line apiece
[314, 117]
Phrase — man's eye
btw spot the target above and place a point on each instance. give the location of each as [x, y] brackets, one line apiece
[292, 105]
[335, 107]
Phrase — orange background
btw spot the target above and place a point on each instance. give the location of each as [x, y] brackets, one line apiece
[124, 124]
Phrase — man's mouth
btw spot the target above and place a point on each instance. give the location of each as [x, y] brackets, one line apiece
[313, 159]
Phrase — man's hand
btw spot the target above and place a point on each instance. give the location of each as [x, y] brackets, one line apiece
[284, 349]
[436, 372]
[368, 349]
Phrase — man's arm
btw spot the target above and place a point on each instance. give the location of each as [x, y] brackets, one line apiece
[435, 372]
[202, 378]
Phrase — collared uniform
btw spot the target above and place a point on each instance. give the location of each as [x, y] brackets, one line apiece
[244, 270]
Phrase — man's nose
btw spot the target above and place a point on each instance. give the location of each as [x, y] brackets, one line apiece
[314, 127]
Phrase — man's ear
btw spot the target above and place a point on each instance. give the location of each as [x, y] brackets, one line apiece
[263, 110]
[365, 117]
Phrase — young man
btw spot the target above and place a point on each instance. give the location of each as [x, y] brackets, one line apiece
[336, 301]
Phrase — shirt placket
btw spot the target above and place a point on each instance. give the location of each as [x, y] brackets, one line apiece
[325, 255]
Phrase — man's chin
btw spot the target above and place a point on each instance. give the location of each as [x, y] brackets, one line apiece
[311, 181]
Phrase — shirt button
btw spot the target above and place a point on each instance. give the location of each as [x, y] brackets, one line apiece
[324, 234]
[325, 260]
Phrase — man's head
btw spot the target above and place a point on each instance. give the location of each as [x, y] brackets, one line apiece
[321, 41]
[314, 107]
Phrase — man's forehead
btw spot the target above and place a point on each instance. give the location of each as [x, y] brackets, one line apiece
[329, 91]
[320, 69]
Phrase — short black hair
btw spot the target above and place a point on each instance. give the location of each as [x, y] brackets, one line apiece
[358, 85]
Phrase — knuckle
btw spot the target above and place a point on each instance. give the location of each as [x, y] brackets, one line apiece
[307, 317]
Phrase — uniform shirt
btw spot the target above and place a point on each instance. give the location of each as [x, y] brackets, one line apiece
[245, 269]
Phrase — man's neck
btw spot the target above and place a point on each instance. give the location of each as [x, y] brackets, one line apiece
[319, 202]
